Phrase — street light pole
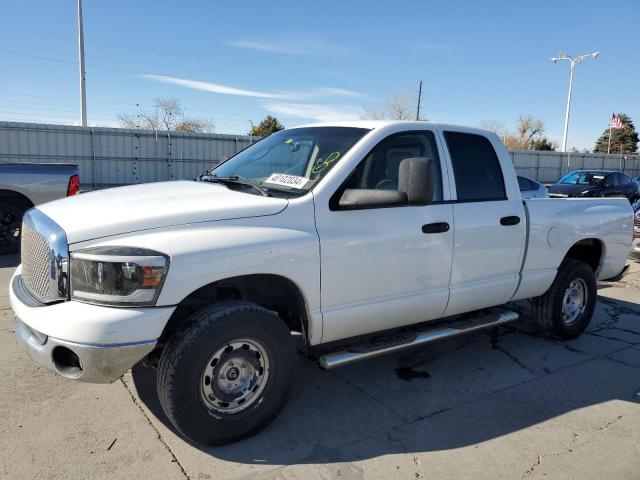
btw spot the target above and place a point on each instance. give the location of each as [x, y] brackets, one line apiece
[572, 62]
[568, 110]
[83, 90]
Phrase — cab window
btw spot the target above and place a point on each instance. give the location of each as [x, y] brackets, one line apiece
[379, 170]
[476, 167]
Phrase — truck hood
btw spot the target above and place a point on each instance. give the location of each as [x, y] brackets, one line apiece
[153, 205]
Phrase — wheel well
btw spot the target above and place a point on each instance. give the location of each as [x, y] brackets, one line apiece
[273, 292]
[17, 196]
[588, 251]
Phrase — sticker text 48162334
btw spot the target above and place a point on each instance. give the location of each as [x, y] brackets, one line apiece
[292, 181]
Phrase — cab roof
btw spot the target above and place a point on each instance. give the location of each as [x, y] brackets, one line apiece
[380, 124]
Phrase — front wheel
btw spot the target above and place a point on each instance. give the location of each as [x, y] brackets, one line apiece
[565, 310]
[227, 373]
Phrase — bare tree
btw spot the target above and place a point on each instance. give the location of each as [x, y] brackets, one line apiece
[528, 135]
[373, 113]
[528, 128]
[168, 115]
[400, 106]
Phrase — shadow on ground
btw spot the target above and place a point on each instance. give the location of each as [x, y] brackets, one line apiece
[455, 393]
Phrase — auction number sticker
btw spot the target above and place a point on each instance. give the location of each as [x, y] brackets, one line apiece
[292, 181]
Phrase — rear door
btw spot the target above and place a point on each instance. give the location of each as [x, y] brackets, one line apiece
[489, 223]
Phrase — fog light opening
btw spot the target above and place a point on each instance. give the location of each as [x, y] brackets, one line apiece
[67, 362]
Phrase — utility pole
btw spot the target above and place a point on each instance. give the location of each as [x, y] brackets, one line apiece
[419, 100]
[572, 61]
[83, 88]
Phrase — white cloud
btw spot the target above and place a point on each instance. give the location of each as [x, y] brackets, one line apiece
[294, 45]
[215, 87]
[342, 92]
[264, 47]
[242, 92]
[320, 113]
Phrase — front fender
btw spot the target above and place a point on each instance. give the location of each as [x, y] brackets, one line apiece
[204, 253]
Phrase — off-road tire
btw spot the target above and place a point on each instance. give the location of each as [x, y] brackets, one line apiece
[187, 354]
[547, 308]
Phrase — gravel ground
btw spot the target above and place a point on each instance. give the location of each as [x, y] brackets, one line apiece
[501, 404]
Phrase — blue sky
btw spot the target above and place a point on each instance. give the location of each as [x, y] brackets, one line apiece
[231, 62]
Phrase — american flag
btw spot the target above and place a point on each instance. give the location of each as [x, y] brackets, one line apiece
[616, 123]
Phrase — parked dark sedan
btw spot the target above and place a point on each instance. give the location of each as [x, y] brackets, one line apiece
[596, 183]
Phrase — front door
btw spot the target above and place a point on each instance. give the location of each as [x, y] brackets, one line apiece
[379, 267]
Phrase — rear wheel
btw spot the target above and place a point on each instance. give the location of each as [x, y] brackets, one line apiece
[11, 212]
[227, 373]
[565, 310]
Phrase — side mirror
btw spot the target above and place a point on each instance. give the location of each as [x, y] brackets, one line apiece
[364, 197]
[417, 179]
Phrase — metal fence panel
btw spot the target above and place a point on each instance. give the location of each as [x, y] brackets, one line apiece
[114, 156]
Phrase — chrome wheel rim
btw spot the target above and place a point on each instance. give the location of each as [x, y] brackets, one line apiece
[574, 301]
[235, 376]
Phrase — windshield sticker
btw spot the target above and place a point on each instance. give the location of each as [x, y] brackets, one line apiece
[289, 140]
[322, 164]
[291, 181]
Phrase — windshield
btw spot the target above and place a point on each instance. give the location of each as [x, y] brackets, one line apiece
[583, 178]
[292, 160]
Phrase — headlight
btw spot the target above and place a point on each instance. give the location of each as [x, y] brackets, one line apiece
[117, 275]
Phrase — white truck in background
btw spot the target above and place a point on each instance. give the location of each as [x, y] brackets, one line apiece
[364, 237]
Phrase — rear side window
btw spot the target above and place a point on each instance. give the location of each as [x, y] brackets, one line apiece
[526, 185]
[476, 167]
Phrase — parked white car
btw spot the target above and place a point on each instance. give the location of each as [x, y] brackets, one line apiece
[530, 188]
[364, 237]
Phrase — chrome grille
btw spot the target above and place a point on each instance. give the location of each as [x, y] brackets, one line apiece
[45, 257]
[36, 263]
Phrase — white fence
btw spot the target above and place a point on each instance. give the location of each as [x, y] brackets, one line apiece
[114, 156]
[548, 167]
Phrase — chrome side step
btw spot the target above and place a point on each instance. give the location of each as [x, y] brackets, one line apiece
[397, 342]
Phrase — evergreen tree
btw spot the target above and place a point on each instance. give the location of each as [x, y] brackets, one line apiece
[624, 140]
[266, 127]
[543, 144]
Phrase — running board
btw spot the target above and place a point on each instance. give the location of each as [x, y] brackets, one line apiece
[391, 343]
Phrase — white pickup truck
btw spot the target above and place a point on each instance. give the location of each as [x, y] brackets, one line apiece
[359, 237]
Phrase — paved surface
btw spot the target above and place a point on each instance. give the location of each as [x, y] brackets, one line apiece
[501, 404]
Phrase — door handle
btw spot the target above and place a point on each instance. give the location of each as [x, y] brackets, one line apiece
[512, 220]
[438, 227]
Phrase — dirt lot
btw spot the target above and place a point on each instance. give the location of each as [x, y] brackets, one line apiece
[500, 404]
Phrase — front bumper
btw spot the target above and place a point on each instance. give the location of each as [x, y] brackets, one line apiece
[84, 342]
[78, 361]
